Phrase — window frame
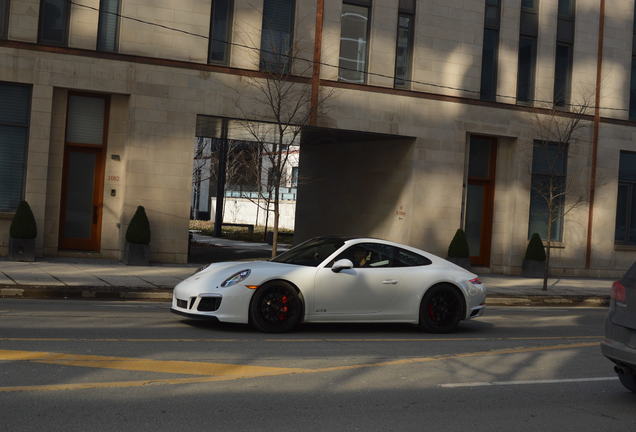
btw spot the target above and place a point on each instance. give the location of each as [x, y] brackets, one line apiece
[100, 28]
[629, 216]
[533, 37]
[564, 101]
[66, 29]
[294, 176]
[409, 56]
[28, 136]
[632, 84]
[369, 5]
[4, 21]
[287, 67]
[495, 75]
[228, 35]
[564, 147]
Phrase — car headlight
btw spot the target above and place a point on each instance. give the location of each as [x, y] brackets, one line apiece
[236, 278]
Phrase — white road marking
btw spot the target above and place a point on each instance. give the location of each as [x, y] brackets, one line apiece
[504, 383]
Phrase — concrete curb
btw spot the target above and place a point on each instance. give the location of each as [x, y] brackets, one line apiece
[165, 294]
[85, 292]
[547, 300]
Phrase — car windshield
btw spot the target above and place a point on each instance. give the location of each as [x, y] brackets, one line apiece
[310, 253]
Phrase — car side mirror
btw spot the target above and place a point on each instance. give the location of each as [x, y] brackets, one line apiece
[343, 264]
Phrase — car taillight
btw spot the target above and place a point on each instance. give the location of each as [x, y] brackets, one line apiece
[475, 281]
[618, 292]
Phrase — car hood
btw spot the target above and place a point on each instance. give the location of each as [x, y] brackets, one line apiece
[261, 271]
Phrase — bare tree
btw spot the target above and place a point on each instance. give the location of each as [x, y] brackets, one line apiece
[200, 172]
[555, 131]
[286, 99]
[240, 169]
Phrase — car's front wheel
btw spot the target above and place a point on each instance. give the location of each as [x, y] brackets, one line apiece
[627, 377]
[441, 309]
[276, 308]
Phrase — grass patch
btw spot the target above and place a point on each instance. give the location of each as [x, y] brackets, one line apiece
[241, 233]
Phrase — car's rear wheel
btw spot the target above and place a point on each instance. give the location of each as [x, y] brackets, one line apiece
[442, 309]
[276, 308]
[627, 377]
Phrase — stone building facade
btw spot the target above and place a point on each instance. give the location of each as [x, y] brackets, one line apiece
[112, 90]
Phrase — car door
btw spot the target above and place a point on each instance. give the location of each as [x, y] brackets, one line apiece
[360, 293]
[401, 301]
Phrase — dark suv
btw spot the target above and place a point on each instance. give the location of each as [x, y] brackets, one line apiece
[619, 344]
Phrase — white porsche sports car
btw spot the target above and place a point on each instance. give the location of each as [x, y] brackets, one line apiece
[335, 279]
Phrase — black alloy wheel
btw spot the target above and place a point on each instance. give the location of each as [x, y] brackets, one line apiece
[441, 309]
[276, 308]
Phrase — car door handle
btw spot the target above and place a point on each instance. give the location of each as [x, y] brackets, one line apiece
[390, 282]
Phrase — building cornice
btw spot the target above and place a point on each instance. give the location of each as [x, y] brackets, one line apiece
[181, 64]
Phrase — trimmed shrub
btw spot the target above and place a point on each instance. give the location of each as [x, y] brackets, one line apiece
[23, 224]
[535, 250]
[138, 231]
[458, 247]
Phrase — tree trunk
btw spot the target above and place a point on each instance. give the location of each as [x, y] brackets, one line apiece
[277, 178]
[266, 218]
[546, 270]
[276, 220]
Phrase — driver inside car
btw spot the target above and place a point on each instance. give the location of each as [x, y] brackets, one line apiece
[360, 257]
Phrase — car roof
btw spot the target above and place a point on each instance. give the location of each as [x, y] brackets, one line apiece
[349, 240]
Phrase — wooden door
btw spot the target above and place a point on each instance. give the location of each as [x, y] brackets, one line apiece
[480, 197]
[83, 172]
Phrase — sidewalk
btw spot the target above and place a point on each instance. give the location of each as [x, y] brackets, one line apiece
[90, 278]
[107, 279]
[519, 291]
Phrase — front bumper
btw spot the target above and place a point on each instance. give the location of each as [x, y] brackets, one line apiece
[195, 300]
[477, 311]
[195, 316]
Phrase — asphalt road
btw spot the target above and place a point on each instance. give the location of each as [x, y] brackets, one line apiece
[98, 366]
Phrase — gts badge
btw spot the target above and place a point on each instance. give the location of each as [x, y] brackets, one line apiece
[321, 310]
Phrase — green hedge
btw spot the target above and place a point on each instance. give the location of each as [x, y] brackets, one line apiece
[535, 250]
[458, 247]
[23, 224]
[138, 231]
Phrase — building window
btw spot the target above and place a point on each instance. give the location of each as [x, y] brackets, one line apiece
[4, 19]
[14, 131]
[626, 202]
[220, 31]
[294, 177]
[527, 50]
[632, 87]
[277, 35]
[547, 195]
[354, 38]
[490, 50]
[108, 28]
[564, 53]
[85, 120]
[404, 49]
[54, 17]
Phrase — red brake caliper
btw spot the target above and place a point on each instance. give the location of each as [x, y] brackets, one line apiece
[283, 310]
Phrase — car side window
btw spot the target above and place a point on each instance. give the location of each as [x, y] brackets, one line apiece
[368, 255]
[376, 255]
[405, 258]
